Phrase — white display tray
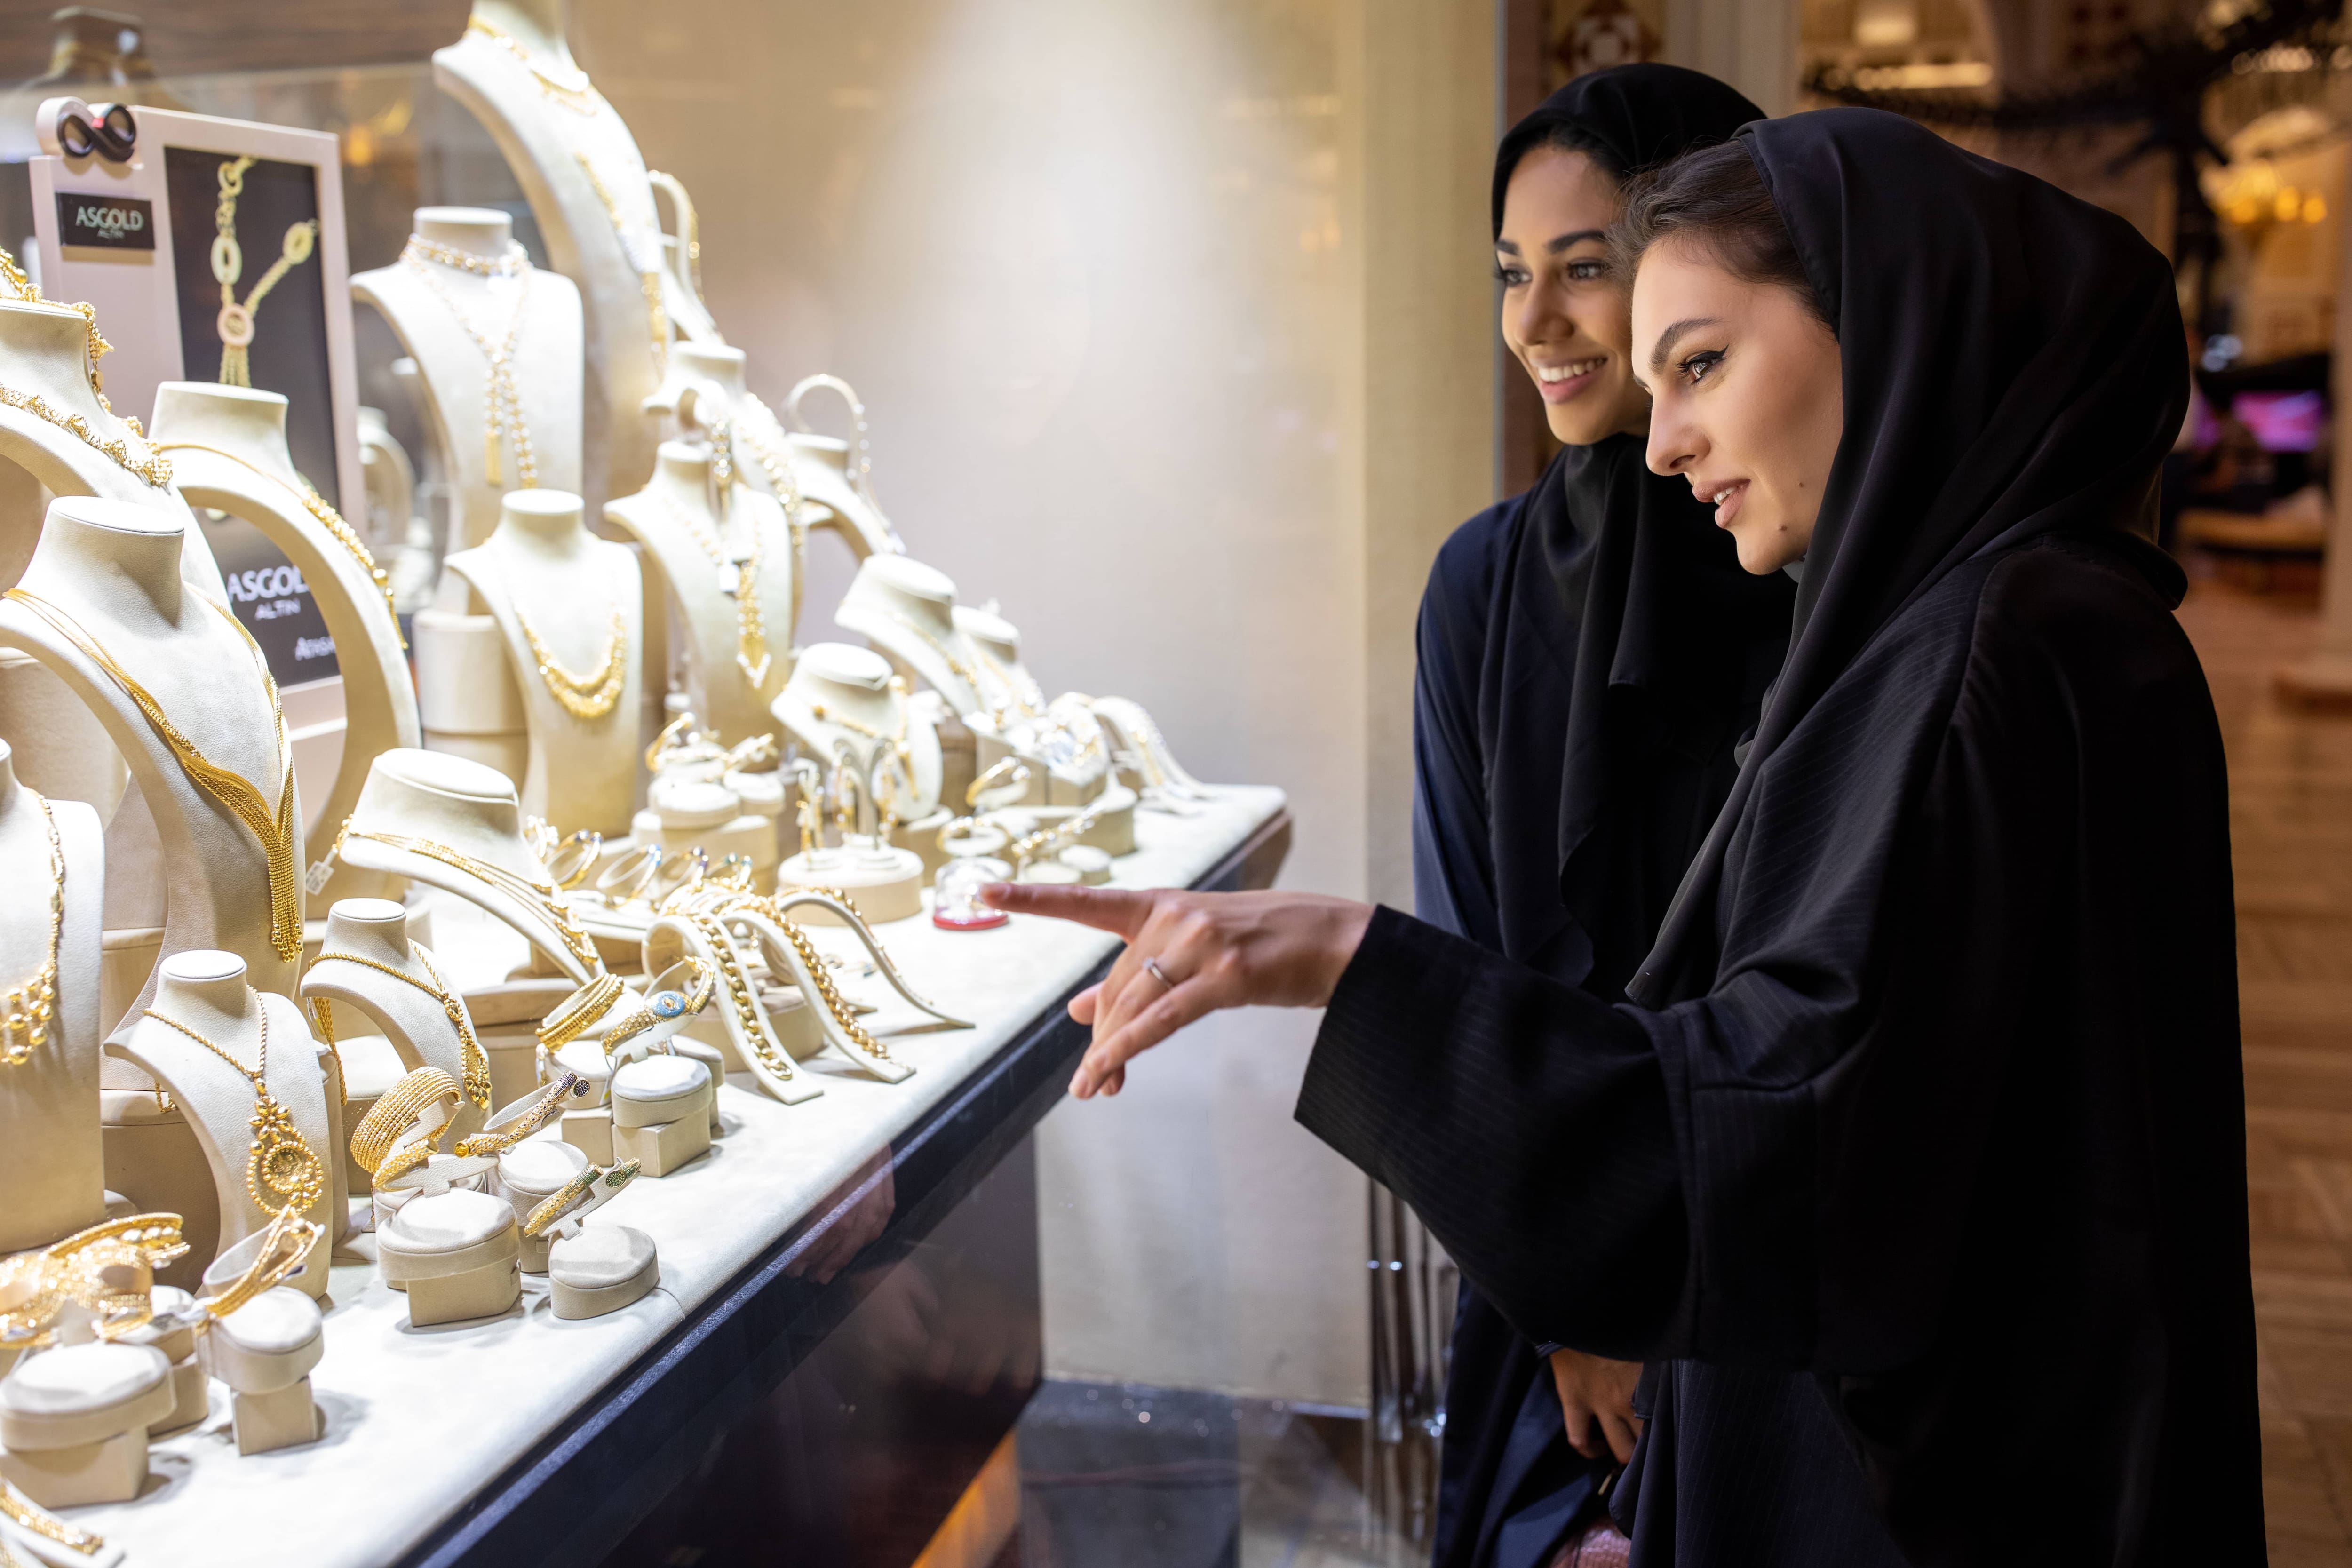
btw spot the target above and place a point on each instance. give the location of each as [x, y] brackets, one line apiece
[418, 1421]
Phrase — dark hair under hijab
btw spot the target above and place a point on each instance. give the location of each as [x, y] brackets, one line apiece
[1627, 119]
[1916, 1172]
[1715, 197]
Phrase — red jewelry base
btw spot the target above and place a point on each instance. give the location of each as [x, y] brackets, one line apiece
[988, 920]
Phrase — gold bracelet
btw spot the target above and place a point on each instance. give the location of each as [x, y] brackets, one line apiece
[284, 1247]
[537, 1114]
[551, 1212]
[581, 1011]
[627, 1030]
[24, 1514]
[396, 1112]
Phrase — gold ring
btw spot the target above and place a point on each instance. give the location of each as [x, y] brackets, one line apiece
[396, 1112]
[628, 1029]
[569, 863]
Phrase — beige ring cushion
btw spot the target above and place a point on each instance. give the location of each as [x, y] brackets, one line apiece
[83, 1394]
[271, 1342]
[657, 1089]
[601, 1270]
[530, 1174]
[445, 1233]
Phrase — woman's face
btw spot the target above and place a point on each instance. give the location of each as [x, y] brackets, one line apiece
[1747, 401]
[1564, 308]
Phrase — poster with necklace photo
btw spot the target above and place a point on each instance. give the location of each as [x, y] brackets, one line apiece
[213, 251]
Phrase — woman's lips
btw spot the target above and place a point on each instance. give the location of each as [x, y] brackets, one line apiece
[1558, 382]
[1727, 498]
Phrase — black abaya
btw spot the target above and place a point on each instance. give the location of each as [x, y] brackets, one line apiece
[1589, 653]
[1917, 1175]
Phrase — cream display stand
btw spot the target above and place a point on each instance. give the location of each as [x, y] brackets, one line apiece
[264, 1352]
[418, 1025]
[228, 447]
[573, 155]
[455, 375]
[834, 682]
[61, 749]
[52, 1163]
[207, 991]
[114, 570]
[424, 797]
[74, 1421]
[439, 1417]
[542, 567]
[701, 558]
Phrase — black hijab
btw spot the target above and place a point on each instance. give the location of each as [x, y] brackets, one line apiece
[1626, 627]
[2011, 367]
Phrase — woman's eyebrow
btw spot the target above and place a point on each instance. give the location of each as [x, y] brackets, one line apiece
[1579, 236]
[1673, 335]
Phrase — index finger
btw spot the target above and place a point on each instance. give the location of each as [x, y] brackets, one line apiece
[1118, 910]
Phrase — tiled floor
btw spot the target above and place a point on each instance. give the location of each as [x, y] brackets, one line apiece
[2291, 827]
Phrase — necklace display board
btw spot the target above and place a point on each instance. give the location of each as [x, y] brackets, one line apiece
[525, 1440]
[213, 251]
[228, 448]
[51, 1163]
[569, 608]
[498, 346]
[367, 963]
[586, 182]
[184, 695]
[907, 610]
[733, 579]
[243, 1067]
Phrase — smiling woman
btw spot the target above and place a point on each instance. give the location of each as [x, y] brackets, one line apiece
[1912, 1166]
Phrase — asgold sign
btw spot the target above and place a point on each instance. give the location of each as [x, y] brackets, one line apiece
[108, 223]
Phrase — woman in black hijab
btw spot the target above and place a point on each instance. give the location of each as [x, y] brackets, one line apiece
[1589, 654]
[1915, 1167]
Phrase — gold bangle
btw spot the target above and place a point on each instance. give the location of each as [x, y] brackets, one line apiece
[697, 996]
[626, 877]
[629, 1029]
[537, 1114]
[569, 863]
[396, 1112]
[284, 1247]
[580, 1011]
[551, 1212]
[26, 1514]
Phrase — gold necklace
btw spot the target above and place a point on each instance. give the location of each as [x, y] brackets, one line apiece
[896, 742]
[235, 322]
[1019, 699]
[765, 438]
[589, 696]
[25, 1025]
[730, 964]
[139, 460]
[326, 516]
[956, 666]
[571, 88]
[274, 830]
[523, 889]
[827, 991]
[752, 655]
[502, 399]
[634, 244]
[280, 1163]
[477, 1066]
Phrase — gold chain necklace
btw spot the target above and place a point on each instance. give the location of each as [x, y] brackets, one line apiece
[1019, 700]
[764, 436]
[523, 889]
[896, 742]
[634, 244]
[956, 666]
[571, 88]
[589, 696]
[477, 1066]
[829, 992]
[752, 655]
[276, 830]
[25, 1025]
[326, 516]
[282, 1162]
[137, 460]
[739, 992]
[235, 322]
[502, 399]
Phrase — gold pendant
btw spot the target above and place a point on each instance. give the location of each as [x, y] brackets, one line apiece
[281, 1172]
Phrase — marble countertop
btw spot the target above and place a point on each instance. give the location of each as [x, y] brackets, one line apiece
[419, 1420]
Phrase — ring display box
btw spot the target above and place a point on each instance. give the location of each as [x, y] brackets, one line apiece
[529, 1174]
[661, 1115]
[456, 1252]
[264, 1350]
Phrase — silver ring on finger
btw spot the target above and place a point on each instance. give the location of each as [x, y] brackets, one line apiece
[1151, 967]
